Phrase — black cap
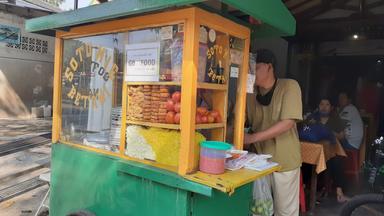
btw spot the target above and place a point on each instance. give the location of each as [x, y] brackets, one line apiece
[266, 56]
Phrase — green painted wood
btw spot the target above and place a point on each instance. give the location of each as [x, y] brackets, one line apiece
[221, 204]
[276, 18]
[162, 177]
[101, 12]
[143, 197]
[86, 180]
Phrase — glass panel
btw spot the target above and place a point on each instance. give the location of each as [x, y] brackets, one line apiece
[210, 106]
[149, 46]
[154, 56]
[235, 68]
[66, 5]
[91, 91]
[213, 56]
[154, 103]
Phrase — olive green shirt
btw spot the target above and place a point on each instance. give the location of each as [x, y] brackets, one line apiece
[285, 104]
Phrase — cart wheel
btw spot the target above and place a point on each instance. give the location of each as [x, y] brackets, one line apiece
[44, 213]
[81, 213]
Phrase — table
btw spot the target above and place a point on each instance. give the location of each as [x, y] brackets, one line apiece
[317, 154]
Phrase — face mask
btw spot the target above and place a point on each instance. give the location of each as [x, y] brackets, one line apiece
[265, 100]
[323, 114]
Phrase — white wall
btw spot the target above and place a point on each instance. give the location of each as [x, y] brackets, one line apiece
[19, 22]
[26, 70]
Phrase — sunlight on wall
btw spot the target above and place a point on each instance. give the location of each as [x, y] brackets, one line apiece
[11, 105]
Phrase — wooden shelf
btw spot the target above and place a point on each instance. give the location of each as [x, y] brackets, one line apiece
[153, 83]
[212, 86]
[159, 125]
[176, 126]
[201, 85]
[210, 126]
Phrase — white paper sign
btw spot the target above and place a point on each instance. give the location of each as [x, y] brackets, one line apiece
[234, 72]
[180, 28]
[166, 33]
[203, 35]
[142, 62]
[250, 83]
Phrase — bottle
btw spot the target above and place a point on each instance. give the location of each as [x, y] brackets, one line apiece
[219, 73]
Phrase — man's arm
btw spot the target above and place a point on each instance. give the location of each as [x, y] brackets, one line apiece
[274, 131]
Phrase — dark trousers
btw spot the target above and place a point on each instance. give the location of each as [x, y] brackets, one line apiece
[336, 171]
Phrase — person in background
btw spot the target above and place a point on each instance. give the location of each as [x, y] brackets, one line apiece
[272, 113]
[330, 120]
[353, 132]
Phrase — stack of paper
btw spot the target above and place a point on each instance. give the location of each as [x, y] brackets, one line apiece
[238, 163]
[114, 137]
[250, 161]
[260, 163]
[260, 166]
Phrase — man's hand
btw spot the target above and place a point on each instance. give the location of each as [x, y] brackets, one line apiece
[270, 133]
[340, 135]
[249, 138]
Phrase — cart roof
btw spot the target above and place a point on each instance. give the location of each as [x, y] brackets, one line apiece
[275, 17]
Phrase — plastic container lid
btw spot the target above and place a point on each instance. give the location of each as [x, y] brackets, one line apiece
[216, 145]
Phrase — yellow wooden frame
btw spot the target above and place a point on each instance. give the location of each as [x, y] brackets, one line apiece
[192, 18]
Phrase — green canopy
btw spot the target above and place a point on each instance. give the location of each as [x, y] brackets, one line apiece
[275, 17]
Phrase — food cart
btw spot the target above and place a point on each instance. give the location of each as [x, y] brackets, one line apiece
[138, 85]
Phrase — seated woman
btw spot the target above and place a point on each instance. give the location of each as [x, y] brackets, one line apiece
[331, 121]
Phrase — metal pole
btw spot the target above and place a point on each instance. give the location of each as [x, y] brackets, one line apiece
[76, 4]
[362, 7]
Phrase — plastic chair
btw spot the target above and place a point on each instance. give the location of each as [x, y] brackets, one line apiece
[351, 164]
[47, 178]
[303, 208]
[355, 159]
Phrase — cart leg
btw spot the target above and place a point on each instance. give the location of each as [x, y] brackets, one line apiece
[42, 202]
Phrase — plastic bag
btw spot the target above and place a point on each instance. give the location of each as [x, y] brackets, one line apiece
[262, 204]
[315, 133]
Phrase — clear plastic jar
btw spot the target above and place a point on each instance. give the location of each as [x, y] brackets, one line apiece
[212, 156]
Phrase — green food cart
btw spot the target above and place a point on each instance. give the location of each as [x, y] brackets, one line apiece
[137, 86]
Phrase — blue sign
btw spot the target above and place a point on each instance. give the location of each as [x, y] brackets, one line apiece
[9, 34]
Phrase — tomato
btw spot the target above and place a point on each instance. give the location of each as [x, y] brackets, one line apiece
[198, 119]
[177, 107]
[201, 110]
[214, 113]
[218, 119]
[170, 105]
[210, 118]
[204, 119]
[169, 118]
[176, 96]
[176, 119]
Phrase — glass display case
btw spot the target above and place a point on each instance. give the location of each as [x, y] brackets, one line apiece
[91, 91]
[151, 91]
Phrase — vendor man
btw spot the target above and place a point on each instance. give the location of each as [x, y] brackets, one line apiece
[272, 112]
